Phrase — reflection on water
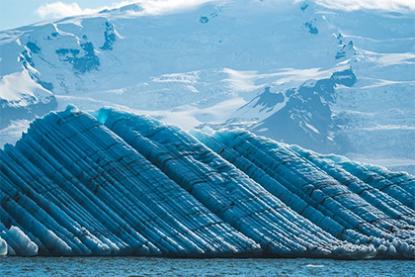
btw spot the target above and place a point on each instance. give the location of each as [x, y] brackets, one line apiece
[115, 266]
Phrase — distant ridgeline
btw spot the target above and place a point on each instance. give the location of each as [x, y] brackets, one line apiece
[122, 184]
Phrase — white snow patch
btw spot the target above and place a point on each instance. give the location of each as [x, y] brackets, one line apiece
[190, 116]
[388, 127]
[241, 81]
[189, 79]
[312, 128]
[353, 5]
[388, 59]
[282, 78]
[18, 86]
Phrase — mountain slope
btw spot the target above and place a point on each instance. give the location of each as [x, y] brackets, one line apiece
[302, 115]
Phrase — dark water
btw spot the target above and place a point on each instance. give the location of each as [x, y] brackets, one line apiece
[39, 266]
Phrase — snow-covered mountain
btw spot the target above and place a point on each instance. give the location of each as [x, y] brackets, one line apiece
[299, 115]
[272, 66]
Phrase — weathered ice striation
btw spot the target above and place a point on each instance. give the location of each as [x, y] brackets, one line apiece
[116, 183]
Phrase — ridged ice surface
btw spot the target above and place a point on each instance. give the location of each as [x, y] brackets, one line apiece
[322, 191]
[123, 184]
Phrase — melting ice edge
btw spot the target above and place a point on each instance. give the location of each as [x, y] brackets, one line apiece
[123, 184]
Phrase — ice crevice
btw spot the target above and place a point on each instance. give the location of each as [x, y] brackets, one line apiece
[116, 183]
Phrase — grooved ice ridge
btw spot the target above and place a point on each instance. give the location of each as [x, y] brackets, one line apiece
[116, 183]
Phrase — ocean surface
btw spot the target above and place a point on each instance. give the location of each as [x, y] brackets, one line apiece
[116, 266]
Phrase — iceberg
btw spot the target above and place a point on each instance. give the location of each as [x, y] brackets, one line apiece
[18, 243]
[399, 185]
[3, 247]
[78, 189]
[225, 190]
[347, 208]
[117, 183]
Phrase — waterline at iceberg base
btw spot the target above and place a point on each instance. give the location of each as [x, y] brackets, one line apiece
[115, 183]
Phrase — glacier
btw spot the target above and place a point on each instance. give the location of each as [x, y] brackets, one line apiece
[119, 183]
